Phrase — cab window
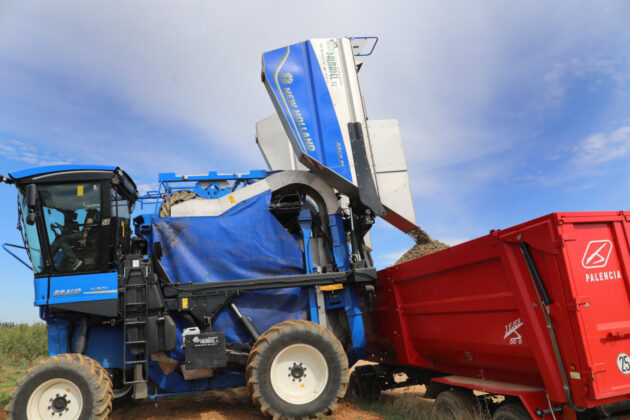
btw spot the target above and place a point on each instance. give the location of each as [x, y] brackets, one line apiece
[72, 215]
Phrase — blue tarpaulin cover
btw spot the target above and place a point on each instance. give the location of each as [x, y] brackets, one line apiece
[246, 241]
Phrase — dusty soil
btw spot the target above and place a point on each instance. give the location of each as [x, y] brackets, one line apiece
[233, 404]
[216, 405]
[424, 245]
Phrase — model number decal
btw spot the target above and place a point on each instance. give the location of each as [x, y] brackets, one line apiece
[66, 292]
[511, 331]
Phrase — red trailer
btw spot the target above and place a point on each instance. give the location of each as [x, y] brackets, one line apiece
[538, 314]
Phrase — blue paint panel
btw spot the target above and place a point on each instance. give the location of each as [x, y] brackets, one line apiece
[105, 345]
[41, 290]
[58, 168]
[57, 336]
[83, 288]
[300, 94]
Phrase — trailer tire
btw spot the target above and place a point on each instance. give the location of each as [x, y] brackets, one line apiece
[511, 411]
[455, 404]
[173, 199]
[300, 350]
[79, 380]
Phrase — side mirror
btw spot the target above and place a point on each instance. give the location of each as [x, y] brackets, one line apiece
[31, 196]
[30, 218]
[31, 203]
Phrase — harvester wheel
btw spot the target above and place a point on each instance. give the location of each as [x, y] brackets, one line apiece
[67, 386]
[511, 411]
[456, 404]
[175, 198]
[297, 369]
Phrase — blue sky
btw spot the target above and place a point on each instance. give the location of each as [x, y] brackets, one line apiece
[507, 111]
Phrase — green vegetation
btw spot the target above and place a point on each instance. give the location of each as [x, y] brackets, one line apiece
[20, 346]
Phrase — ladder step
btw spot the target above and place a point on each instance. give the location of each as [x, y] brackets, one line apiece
[135, 286]
[135, 303]
[135, 362]
[136, 342]
[134, 382]
[135, 322]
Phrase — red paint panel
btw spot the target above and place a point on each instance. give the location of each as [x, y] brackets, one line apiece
[473, 309]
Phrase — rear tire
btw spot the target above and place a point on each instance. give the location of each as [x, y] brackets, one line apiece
[72, 386]
[511, 411]
[455, 404]
[173, 199]
[297, 369]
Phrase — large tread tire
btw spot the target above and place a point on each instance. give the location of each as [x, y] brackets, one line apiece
[511, 411]
[85, 373]
[456, 404]
[173, 199]
[280, 337]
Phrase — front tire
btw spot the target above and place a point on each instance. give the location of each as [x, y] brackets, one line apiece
[297, 369]
[67, 386]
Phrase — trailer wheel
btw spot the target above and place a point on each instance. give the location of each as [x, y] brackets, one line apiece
[72, 386]
[455, 404]
[297, 369]
[175, 198]
[512, 411]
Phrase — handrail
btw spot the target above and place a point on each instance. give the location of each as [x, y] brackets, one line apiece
[5, 245]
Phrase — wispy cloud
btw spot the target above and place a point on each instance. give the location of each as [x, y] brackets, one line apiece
[600, 148]
[22, 152]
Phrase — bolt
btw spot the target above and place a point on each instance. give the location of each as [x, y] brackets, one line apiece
[300, 379]
[289, 375]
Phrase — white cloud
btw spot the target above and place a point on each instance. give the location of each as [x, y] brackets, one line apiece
[22, 152]
[388, 259]
[601, 147]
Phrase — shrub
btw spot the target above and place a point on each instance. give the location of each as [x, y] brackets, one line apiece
[23, 343]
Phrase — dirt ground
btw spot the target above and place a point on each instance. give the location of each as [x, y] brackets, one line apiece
[234, 404]
[230, 404]
[216, 405]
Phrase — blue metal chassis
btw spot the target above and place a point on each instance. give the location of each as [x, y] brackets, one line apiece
[105, 344]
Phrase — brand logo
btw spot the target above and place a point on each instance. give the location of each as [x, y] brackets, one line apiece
[66, 292]
[207, 341]
[285, 78]
[597, 254]
[511, 331]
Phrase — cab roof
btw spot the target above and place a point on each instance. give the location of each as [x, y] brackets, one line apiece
[73, 173]
[41, 170]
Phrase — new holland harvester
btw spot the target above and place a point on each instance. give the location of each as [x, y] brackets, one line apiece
[232, 279]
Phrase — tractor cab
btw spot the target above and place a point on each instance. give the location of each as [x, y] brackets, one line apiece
[74, 219]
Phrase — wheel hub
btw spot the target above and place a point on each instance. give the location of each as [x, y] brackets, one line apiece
[59, 404]
[297, 371]
[55, 398]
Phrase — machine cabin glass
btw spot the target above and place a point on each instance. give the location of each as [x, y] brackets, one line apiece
[72, 220]
[29, 234]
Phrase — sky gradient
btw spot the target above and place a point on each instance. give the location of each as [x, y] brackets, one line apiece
[508, 111]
